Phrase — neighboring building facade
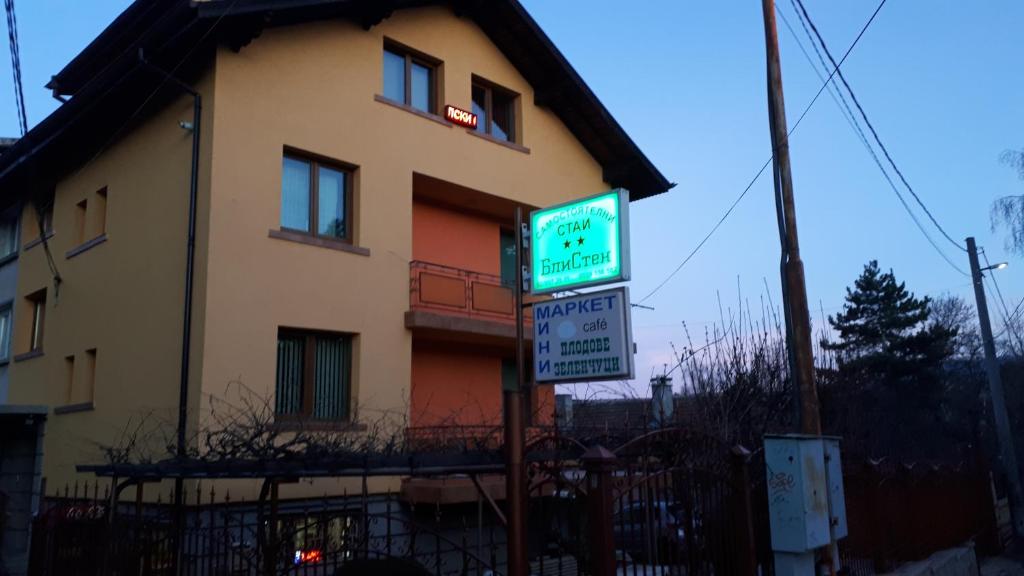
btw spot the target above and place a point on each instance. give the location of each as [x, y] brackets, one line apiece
[352, 244]
[21, 427]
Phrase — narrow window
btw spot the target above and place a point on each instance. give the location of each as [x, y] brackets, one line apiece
[313, 376]
[410, 78]
[496, 108]
[37, 303]
[69, 379]
[101, 212]
[8, 236]
[316, 198]
[80, 212]
[6, 313]
[89, 383]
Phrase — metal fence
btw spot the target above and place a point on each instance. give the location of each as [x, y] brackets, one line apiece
[663, 501]
[667, 500]
[86, 536]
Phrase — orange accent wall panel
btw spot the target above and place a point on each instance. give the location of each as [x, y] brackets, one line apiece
[455, 389]
[459, 240]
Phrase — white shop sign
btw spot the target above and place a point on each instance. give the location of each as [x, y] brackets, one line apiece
[583, 338]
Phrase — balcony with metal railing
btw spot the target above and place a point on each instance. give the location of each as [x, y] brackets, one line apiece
[460, 304]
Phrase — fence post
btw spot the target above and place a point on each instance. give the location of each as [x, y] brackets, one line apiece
[599, 463]
[877, 537]
[746, 546]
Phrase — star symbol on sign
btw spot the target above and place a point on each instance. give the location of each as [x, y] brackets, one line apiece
[567, 244]
[580, 241]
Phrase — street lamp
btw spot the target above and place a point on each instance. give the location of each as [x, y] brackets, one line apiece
[998, 266]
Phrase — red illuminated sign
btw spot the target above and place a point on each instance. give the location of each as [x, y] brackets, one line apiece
[312, 556]
[460, 116]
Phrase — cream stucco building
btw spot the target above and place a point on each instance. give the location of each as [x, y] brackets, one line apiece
[349, 239]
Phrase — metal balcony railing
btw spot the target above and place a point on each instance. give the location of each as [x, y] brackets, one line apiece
[461, 292]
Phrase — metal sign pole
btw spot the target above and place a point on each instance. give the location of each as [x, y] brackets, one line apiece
[515, 433]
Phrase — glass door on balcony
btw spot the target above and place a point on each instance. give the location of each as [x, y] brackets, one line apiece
[508, 258]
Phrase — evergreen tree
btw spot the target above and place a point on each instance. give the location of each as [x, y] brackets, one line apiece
[886, 341]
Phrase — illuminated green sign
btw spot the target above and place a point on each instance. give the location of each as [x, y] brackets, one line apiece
[580, 243]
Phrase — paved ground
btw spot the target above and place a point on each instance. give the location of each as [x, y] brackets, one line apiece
[1010, 563]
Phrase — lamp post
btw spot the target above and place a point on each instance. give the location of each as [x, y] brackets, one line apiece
[1008, 455]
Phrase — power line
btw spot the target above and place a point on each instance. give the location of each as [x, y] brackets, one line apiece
[852, 120]
[19, 92]
[802, 13]
[765, 165]
[833, 90]
[1013, 317]
[993, 296]
[871, 150]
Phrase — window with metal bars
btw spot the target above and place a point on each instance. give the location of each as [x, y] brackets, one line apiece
[313, 376]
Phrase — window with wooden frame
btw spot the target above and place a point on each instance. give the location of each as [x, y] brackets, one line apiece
[314, 376]
[496, 109]
[6, 317]
[411, 78]
[316, 197]
[37, 304]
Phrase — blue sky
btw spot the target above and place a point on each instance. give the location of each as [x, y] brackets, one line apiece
[940, 81]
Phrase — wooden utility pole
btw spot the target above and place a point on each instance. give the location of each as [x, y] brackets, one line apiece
[1008, 455]
[794, 290]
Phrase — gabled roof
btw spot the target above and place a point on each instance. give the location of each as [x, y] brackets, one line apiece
[109, 87]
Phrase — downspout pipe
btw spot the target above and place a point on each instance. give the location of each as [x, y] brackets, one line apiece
[186, 335]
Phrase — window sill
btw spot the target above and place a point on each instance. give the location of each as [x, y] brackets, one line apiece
[9, 258]
[28, 355]
[499, 141]
[85, 246]
[434, 117]
[37, 241]
[329, 243]
[317, 426]
[73, 408]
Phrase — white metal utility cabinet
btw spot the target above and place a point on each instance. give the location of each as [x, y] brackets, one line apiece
[806, 505]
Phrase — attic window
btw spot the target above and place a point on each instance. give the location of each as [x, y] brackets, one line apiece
[496, 108]
[410, 78]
